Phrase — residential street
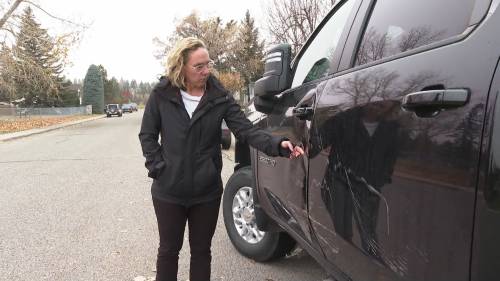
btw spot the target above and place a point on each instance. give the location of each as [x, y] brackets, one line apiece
[75, 205]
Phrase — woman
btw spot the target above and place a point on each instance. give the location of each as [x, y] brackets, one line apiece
[186, 109]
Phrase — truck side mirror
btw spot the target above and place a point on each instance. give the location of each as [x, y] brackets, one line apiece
[277, 72]
[277, 77]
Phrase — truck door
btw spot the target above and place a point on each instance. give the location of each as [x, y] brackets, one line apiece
[394, 142]
[283, 183]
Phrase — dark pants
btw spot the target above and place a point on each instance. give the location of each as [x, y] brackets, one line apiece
[202, 220]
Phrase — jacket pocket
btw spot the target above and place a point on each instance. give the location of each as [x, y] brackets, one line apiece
[170, 177]
[205, 175]
[160, 166]
[156, 168]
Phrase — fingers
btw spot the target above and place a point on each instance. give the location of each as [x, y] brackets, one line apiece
[288, 145]
[299, 150]
[295, 150]
[293, 154]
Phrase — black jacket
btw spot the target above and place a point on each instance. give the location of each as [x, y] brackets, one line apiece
[187, 162]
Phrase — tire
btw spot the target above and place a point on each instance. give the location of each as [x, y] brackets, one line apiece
[265, 246]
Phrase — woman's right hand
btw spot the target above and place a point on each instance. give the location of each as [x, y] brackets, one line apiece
[295, 150]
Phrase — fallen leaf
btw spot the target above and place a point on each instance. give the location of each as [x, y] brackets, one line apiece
[21, 124]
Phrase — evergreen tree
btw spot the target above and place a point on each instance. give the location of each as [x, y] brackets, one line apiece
[108, 91]
[115, 91]
[38, 65]
[124, 85]
[249, 52]
[133, 84]
[7, 74]
[144, 89]
[69, 94]
[93, 90]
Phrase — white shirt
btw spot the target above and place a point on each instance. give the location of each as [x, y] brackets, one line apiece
[370, 127]
[190, 102]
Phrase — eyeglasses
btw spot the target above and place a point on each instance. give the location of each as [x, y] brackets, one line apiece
[199, 67]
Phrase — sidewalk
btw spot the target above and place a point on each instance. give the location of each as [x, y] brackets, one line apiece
[26, 133]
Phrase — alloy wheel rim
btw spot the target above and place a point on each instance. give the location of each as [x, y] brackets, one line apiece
[244, 216]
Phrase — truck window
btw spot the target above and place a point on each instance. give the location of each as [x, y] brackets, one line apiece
[316, 60]
[416, 24]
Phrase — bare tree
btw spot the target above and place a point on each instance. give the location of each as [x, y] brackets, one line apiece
[362, 88]
[7, 74]
[374, 47]
[9, 12]
[419, 36]
[294, 20]
[217, 35]
[32, 65]
[9, 16]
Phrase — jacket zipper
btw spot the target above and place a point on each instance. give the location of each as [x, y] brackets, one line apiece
[197, 115]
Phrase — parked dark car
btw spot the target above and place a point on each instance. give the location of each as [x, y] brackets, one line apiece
[397, 106]
[226, 136]
[113, 109]
[126, 107]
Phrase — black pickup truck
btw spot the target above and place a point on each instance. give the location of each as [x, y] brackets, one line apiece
[395, 104]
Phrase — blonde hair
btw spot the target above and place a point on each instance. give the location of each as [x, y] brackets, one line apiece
[178, 57]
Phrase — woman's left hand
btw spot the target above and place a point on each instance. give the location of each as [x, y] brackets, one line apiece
[295, 150]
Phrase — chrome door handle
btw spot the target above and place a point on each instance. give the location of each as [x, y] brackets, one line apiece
[303, 112]
[436, 99]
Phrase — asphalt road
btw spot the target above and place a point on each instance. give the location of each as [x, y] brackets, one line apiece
[75, 205]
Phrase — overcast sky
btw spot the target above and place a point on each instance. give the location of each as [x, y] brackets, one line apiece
[121, 32]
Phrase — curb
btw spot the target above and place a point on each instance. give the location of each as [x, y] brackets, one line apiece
[27, 133]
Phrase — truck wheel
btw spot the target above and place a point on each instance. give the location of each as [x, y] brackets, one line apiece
[239, 218]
